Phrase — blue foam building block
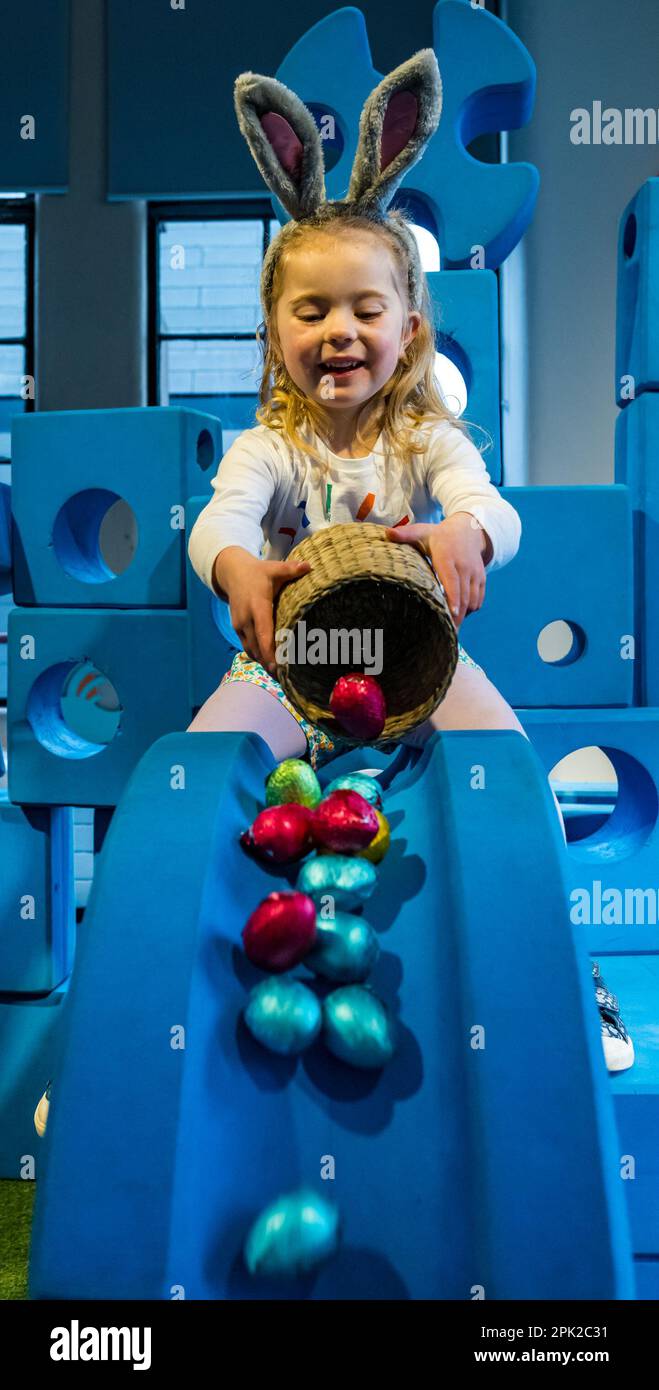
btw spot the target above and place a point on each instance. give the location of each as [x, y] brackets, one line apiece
[5, 538]
[574, 564]
[69, 467]
[213, 642]
[30, 1036]
[637, 466]
[37, 897]
[635, 981]
[89, 691]
[165, 1200]
[620, 857]
[647, 1278]
[488, 85]
[637, 319]
[466, 306]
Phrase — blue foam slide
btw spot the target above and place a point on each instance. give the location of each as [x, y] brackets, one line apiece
[481, 1162]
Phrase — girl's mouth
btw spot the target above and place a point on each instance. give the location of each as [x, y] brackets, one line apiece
[340, 368]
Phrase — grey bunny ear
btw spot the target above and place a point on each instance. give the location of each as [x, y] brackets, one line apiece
[398, 119]
[284, 140]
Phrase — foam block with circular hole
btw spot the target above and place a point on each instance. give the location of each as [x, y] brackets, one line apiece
[89, 691]
[637, 326]
[98, 504]
[574, 565]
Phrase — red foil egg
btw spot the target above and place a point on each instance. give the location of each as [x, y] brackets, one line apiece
[280, 931]
[358, 704]
[344, 821]
[280, 834]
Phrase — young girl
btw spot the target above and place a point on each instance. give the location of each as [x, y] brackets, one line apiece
[353, 370]
[352, 425]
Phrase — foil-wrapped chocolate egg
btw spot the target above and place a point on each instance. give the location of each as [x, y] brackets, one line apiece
[280, 834]
[280, 931]
[344, 821]
[358, 1027]
[292, 780]
[368, 787]
[349, 880]
[294, 1234]
[380, 843]
[358, 705]
[284, 1015]
[345, 950]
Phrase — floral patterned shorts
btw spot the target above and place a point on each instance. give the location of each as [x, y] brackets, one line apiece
[319, 744]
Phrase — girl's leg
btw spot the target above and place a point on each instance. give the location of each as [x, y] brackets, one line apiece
[240, 707]
[472, 702]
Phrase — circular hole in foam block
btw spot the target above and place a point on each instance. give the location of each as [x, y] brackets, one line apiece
[629, 236]
[205, 449]
[73, 709]
[561, 643]
[95, 535]
[450, 383]
[608, 801]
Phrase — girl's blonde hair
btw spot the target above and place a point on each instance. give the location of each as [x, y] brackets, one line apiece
[409, 399]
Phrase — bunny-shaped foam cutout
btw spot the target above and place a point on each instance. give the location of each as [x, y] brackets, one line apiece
[398, 120]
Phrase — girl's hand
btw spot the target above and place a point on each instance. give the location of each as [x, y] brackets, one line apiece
[456, 547]
[252, 586]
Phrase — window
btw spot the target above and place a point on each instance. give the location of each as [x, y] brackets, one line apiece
[204, 269]
[16, 356]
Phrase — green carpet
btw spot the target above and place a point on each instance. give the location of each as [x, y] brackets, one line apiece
[16, 1199]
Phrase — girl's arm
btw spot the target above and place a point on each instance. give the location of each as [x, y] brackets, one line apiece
[226, 540]
[457, 478]
[243, 488]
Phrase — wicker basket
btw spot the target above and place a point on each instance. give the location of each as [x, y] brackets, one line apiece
[360, 580]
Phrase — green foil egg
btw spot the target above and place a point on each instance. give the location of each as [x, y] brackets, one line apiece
[368, 787]
[358, 1027]
[284, 1015]
[346, 948]
[348, 880]
[297, 1232]
[293, 780]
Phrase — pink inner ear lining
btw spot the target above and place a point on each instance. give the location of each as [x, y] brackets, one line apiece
[285, 143]
[398, 126]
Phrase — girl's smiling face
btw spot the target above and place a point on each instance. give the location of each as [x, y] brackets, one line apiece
[342, 318]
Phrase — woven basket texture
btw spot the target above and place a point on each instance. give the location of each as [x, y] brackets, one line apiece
[360, 580]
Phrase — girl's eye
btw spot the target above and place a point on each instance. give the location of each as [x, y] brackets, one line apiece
[365, 314]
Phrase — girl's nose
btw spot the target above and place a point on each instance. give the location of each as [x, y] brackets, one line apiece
[341, 331]
[341, 334]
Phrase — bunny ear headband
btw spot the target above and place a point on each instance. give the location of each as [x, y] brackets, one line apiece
[398, 120]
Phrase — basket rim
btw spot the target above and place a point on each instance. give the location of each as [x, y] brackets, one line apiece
[416, 574]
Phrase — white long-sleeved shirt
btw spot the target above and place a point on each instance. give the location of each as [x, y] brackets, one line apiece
[268, 497]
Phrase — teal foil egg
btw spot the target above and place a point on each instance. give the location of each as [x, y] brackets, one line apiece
[348, 880]
[284, 1015]
[368, 787]
[358, 1028]
[297, 1232]
[292, 780]
[346, 948]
